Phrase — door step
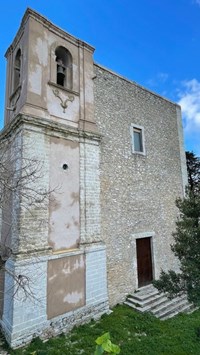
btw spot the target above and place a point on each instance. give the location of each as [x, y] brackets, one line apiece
[148, 299]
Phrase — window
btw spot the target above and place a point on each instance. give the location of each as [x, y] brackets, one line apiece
[64, 67]
[137, 134]
[137, 139]
[17, 69]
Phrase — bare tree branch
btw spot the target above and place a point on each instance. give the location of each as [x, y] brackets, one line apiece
[20, 186]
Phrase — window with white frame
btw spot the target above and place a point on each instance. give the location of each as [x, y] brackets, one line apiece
[137, 135]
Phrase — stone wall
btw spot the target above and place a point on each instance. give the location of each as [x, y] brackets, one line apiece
[65, 287]
[89, 190]
[110, 196]
[138, 191]
[25, 309]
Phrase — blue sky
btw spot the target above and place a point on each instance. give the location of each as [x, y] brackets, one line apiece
[153, 42]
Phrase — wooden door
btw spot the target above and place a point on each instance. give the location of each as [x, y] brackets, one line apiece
[144, 261]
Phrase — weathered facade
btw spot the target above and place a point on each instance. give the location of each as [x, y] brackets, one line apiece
[137, 190]
[111, 158]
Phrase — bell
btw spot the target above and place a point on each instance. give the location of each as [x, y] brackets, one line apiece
[60, 75]
[60, 70]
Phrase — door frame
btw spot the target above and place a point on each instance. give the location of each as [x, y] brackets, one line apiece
[152, 241]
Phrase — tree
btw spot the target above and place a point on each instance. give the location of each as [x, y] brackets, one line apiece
[186, 245]
[193, 170]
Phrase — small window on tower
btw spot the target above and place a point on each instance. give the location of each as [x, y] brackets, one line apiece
[64, 67]
[17, 69]
[137, 134]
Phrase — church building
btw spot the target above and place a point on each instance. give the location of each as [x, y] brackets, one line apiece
[111, 163]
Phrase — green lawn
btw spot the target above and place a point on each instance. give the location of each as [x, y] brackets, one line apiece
[135, 333]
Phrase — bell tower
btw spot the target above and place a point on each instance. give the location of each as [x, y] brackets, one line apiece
[47, 69]
[55, 243]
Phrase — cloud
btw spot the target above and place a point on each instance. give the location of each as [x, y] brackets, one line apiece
[189, 99]
[197, 2]
[160, 78]
[163, 76]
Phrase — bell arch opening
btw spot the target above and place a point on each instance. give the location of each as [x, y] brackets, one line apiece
[64, 67]
[17, 69]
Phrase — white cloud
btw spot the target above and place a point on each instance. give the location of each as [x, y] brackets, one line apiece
[190, 103]
[189, 99]
[160, 78]
[163, 76]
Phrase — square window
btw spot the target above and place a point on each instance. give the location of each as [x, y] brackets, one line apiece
[137, 134]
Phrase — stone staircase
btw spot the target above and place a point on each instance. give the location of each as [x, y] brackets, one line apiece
[148, 299]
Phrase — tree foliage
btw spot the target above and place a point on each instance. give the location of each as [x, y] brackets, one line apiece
[186, 246]
[193, 170]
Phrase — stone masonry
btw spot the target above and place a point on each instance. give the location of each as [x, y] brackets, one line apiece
[108, 155]
[138, 192]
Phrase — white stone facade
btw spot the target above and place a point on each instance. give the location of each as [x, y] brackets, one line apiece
[96, 285]
[74, 253]
[89, 190]
[25, 308]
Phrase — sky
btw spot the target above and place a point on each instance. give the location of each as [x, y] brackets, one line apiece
[155, 43]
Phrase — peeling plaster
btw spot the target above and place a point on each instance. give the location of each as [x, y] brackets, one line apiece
[35, 79]
[73, 297]
[42, 51]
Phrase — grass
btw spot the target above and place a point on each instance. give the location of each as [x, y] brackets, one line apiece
[134, 332]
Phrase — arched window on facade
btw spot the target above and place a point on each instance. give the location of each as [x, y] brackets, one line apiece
[17, 69]
[64, 67]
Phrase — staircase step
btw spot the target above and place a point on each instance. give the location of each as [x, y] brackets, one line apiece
[143, 297]
[145, 301]
[185, 309]
[146, 288]
[148, 307]
[144, 291]
[173, 308]
[148, 299]
[169, 306]
[132, 305]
